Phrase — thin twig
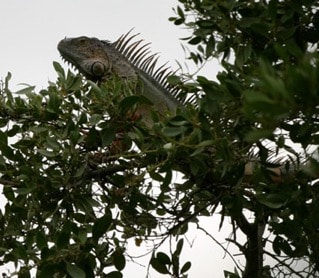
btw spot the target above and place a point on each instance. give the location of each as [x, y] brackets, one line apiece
[225, 249]
[283, 263]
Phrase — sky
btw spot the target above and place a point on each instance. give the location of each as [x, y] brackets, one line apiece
[30, 31]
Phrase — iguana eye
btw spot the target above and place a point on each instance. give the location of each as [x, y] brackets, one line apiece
[98, 69]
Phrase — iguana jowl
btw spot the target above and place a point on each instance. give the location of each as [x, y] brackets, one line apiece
[97, 60]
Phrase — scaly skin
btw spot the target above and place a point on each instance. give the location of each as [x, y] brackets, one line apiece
[98, 60]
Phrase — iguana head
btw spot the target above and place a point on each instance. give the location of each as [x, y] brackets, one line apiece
[87, 55]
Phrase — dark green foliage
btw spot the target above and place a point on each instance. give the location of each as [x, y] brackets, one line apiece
[268, 89]
[75, 193]
[166, 264]
[82, 174]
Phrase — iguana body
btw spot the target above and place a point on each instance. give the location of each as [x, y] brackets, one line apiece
[98, 60]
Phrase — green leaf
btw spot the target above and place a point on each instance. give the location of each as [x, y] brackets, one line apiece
[179, 247]
[47, 153]
[206, 24]
[276, 245]
[3, 139]
[174, 131]
[107, 136]
[95, 119]
[114, 274]
[24, 190]
[274, 201]
[93, 139]
[20, 252]
[74, 271]
[24, 272]
[128, 103]
[118, 259]
[82, 236]
[180, 12]
[257, 134]
[206, 143]
[179, 21]
[195, 40]
[173, 80]
[7, 79]
[38, 129]
[2, 163]
[73, 83]
[52, 143]
[96, 89]
[9, 193]
[63, 240]
[27, 90]
[80, 171]
[41, 240]
[186, 267]
[163, 258]
[54, 102]
[82, 119]
[101, 226]
[281, 244]
[168, 146]
[159, 266]
[197, 151]
[49, 269]
[156, 176]
[58, 68]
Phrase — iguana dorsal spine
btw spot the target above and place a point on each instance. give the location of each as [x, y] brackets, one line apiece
[98, 60]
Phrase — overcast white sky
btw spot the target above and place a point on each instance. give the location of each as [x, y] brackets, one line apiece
[30, 31]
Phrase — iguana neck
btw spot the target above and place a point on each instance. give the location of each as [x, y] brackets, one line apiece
[98, 60]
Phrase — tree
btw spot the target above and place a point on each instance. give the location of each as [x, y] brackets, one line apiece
[81, 176]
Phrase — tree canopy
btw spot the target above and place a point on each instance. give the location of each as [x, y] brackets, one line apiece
[81, 176]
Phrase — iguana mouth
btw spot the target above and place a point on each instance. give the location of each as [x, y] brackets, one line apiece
[69, 63]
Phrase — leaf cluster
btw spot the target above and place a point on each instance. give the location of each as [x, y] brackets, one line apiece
[262, 105]
[82, 173]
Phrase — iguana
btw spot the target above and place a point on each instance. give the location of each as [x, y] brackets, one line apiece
[98, 60]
